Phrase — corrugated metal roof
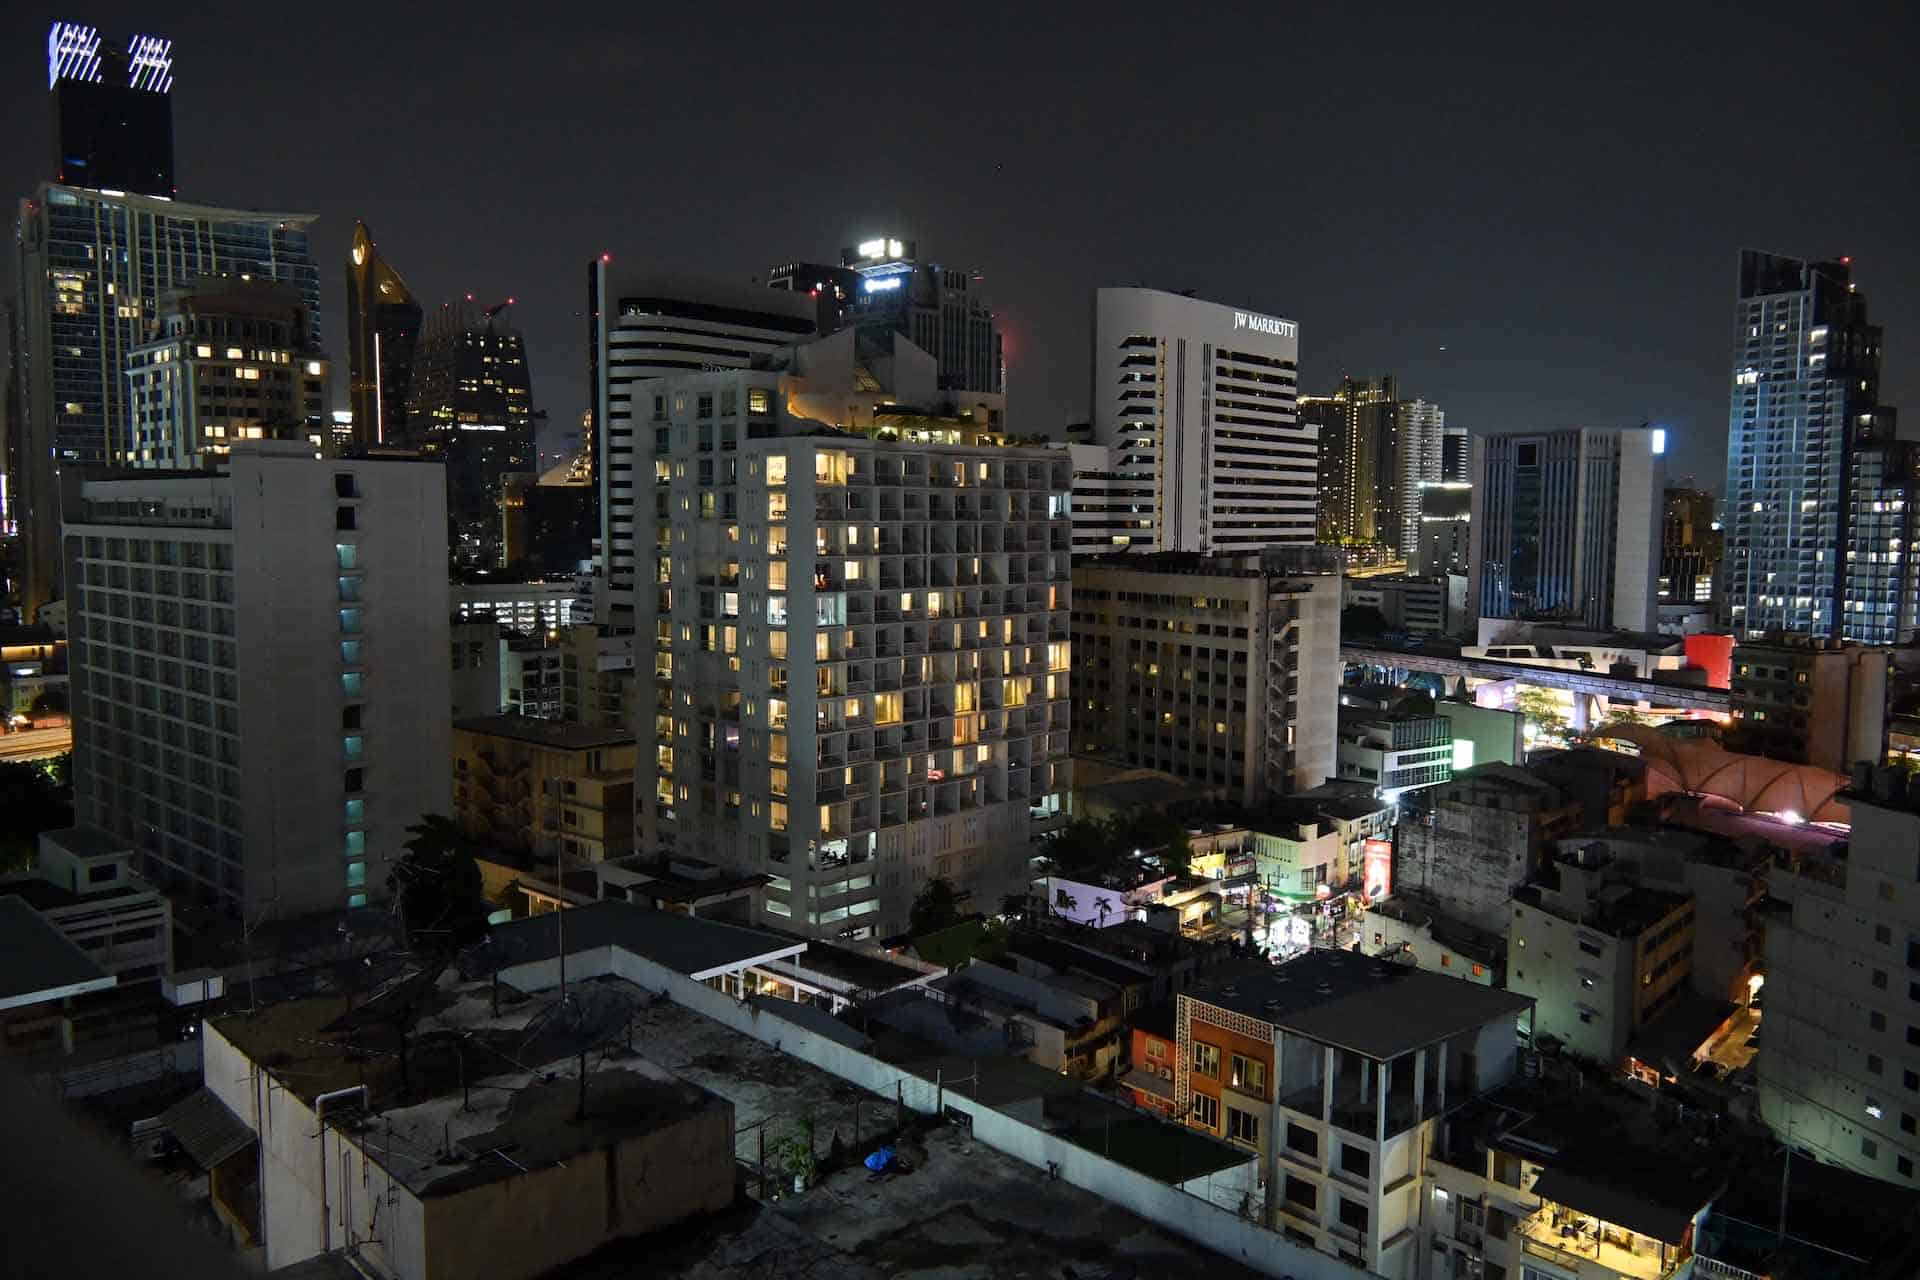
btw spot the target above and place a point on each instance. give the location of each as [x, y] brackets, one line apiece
[208, 1131]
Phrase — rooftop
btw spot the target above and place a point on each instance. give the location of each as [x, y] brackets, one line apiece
[1364, 1006]
[1620, 909]
[558, 734]
[88, 842]
[44, 895]
[858, 970]
[696, 947]
[38, 962]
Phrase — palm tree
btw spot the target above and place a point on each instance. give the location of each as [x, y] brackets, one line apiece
[1103, 907]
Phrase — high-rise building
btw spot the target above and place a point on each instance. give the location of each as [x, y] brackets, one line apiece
[1446, 524]
[227, 360]
[383, 330]
[93, 267]
[1840, 1072]
[833, 289]
[651, 325]
[1690, 547]
[112, 111]
[1111, 511]
[1361, 472]
[1566, 525]
[1196, 399]
[1806, 374]
[470, 406]
[548, 524]
[941, 311]
[1880, 600]
[1456, 455]
[1223, 670]
[858, 633]
[1420, 432]
[259, 671]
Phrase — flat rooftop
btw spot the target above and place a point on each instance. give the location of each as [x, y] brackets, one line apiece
[964, 1210]
[857, 969]
[515, 1114]
[558, 734]
[38, 962]
[88, 842]
[1362, 1005]
[689, 945]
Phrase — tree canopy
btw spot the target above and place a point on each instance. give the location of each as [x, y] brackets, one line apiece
[1090, 847]
[437, 887]
[31, 799]
[935, 907]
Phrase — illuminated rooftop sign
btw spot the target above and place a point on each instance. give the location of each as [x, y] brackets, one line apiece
[877, 249]
[73, 53]
[1265, 324]
[150, 63]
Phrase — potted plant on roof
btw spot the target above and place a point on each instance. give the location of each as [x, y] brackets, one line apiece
[795, 1154]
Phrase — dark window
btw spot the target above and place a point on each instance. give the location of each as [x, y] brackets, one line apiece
[1905, 1166]
[343, 518]
[1353, 1214]
[103, 873]
[1913, 1081]
[1878, 1021]
[1907, 1123]
[1356, 1161]
[343, 485]
[1880, 979]
[356, 780]
[1869, 1148]
[1301, 1192]
[350, 717]
[1874, 1064]
[1303, 1140]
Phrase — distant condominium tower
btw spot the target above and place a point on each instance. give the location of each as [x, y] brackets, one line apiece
[1456, 455]
[470, 406]
[1360, 469]
[1196, 400]
[112, 111]
[651, 324]
[1880, 602]
[259, 669]
[1806, 374]
[93, 269]
[1691, 545]
[939, 309]
[1566, 526]
[227, 360]
[383, 329]
[1421, 432]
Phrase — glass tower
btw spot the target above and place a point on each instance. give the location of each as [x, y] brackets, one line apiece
[93, 267]
[1806, 374]
[383, 328]
[112, 110]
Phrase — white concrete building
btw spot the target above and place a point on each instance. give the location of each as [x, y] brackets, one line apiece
[651, 324]
[1840, 1065]
[855, 620]
[1111, 511]
[260, 676]
[1198, 399]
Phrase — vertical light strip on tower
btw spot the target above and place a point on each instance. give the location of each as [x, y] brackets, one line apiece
[73, 53]
[150, 63]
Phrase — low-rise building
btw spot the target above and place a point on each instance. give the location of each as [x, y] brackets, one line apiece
[1414, 605]
[544, 788]
[532, 677]
[1479, 837]
[1394, 752]
[1337, 1069]
[1408, 930]
[1601, 955]
[85, 885]
[33, 673]
[1152, 1050]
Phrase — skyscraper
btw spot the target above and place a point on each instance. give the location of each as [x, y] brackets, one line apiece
[259, 669]
[940, 310]
[1196, 399]
[383, 328]
[1566, 525]
[227, 360]
[1880, 603]
[112, 111]
[1806, 374]
[1360, 462]
[470, 405]
[647, 324]
[1456, 455]
[1419, 429]
[93, 269]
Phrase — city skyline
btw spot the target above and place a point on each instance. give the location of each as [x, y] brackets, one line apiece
[1567, 265]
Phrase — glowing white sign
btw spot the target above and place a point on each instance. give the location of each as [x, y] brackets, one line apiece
[881, 249]
[73, 53]
[1659, 439]
[884, 282]
[150, 63]
[1265, 324]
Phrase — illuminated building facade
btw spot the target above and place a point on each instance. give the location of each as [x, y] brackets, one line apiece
[94, 267]
[939, 310]
[1806, 378]
[1566, 526]
[229, 360]
[1691, 545]
[383, 328]
[112, 111]
[470, 405]
[1196, 400]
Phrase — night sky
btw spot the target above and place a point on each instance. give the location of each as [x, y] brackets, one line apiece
[1530, 218]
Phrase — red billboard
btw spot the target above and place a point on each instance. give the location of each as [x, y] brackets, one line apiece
[1376, 877]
